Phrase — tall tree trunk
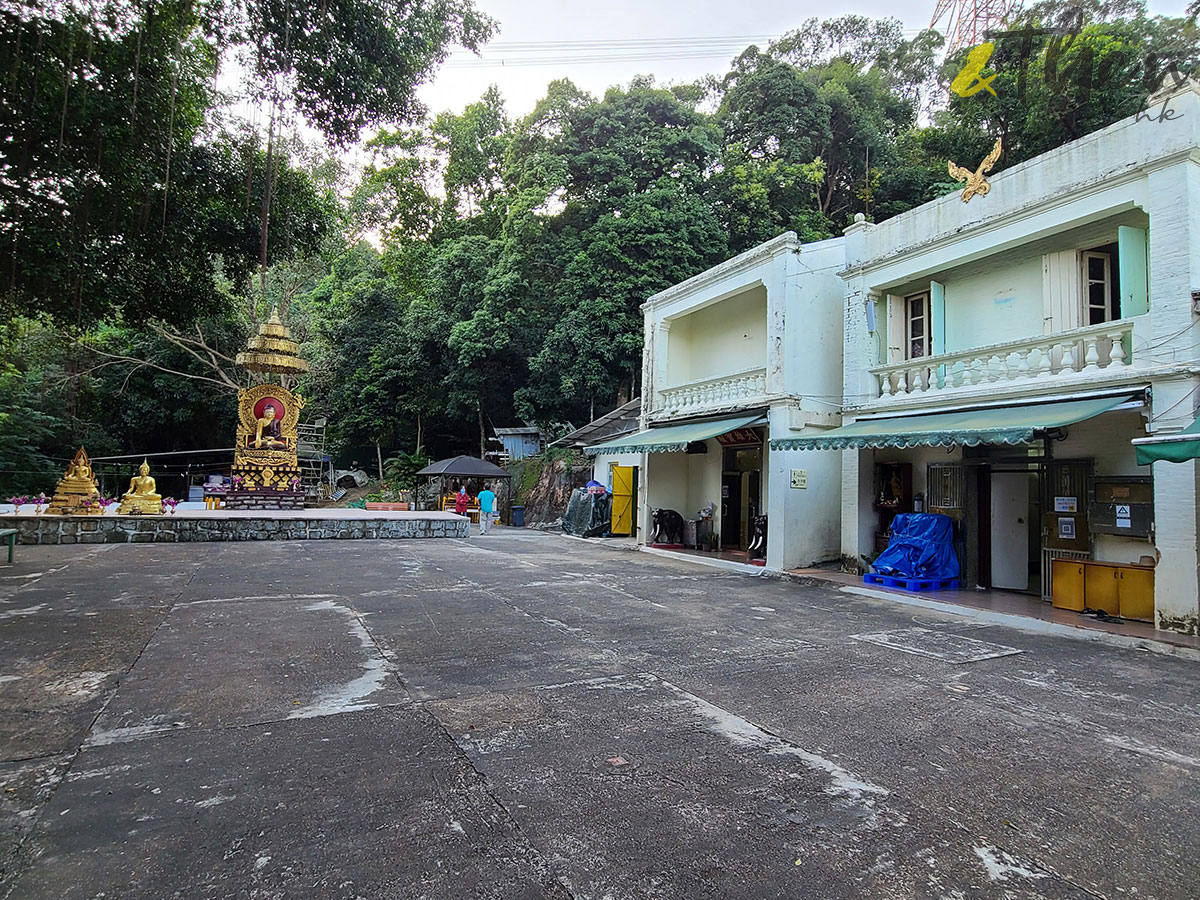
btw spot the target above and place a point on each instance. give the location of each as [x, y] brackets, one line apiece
[264, 217]
[418, 447]
[379, 459]
[170, 135]
[482, 433]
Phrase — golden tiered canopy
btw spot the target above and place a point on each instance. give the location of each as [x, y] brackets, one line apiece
[272, 350]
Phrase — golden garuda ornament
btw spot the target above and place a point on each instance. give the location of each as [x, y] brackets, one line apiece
[976, 183]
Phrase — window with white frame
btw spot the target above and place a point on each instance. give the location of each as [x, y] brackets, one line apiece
[1101, 299]
[916, 325]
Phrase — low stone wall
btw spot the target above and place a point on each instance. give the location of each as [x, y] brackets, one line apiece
[147, 529]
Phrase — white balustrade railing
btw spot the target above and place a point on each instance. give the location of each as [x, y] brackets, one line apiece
[713, 393]
[1064, 354]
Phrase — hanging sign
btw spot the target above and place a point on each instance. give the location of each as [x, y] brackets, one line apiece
[1065, 505]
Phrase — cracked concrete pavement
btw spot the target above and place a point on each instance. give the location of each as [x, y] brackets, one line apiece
[523, 716]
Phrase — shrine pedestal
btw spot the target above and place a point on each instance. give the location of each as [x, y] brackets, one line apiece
[264, 498]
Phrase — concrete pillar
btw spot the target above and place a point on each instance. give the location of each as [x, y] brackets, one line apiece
[1176, 578]
[1176, 515]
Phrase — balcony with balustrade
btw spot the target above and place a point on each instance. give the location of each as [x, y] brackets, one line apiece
[740, 390]
[1063, 359]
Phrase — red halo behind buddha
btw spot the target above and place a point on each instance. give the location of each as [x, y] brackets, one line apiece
[261, 406]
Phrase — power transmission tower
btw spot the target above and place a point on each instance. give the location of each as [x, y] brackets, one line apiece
[969, 21]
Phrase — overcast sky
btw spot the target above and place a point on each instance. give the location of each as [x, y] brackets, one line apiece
[462, 80]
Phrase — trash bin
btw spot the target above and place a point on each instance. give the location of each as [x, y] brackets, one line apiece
[518, 517]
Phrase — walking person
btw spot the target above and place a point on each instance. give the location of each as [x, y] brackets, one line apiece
[487, 509]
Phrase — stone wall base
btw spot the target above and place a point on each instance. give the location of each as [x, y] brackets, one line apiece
[172, 529]
[264, 498]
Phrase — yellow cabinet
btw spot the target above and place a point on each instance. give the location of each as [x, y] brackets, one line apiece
[1100, 588]
[1135, 589]
[1066, 584]
[1118, 590]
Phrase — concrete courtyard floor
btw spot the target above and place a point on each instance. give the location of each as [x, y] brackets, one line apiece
[526, 716]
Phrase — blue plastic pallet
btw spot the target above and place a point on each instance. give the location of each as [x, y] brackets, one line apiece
[911, 584]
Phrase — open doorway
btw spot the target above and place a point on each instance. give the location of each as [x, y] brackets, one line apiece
[741, 494]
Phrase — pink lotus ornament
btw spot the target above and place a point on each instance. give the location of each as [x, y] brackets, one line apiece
[38, 502]
[17, 503]
[169, 503]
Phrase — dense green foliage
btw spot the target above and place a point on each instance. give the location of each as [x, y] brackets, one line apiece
[479, 270]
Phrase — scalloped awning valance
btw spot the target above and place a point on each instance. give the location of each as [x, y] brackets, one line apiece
[671, 438]
[993, 425]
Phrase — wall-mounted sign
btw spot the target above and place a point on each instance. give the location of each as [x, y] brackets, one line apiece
[1065, 505]
[800, 478]
[1123, 515]
[739, 437]
[724, 492]
[1066, 528]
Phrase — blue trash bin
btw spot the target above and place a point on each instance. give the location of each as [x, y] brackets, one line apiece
[518, 516]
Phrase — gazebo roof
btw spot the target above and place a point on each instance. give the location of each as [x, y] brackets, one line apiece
[465, 467]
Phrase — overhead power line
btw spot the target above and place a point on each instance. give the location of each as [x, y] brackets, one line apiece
[631, 50]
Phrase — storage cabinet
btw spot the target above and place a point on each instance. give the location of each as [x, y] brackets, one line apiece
[1118, 590]
[1066, 584]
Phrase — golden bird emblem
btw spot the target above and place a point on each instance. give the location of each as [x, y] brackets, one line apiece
[976, 183]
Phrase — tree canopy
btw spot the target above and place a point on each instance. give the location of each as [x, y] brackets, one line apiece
[478, 269]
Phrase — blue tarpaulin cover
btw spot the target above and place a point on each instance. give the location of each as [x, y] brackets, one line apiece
[922, 546]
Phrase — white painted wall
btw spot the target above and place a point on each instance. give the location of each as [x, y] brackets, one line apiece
[810, 328]
[996, 306]
[1105, 439]
[602, 464]
[803, 525]
[666, 483]
[721, 339]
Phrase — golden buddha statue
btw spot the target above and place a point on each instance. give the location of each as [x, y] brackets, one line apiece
[140, 499]
[267, 433]
[77, 485]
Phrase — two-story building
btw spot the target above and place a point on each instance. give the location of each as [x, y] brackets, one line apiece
[1001, 354]
[735, 356]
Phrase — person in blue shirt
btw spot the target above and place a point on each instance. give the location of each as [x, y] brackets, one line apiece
[487, 510]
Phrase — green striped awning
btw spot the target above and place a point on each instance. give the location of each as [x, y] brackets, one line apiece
[993, 425]
[671, 438]
[1170, 447]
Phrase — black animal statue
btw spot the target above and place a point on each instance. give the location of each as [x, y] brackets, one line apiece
[758, 543]
[668, 527]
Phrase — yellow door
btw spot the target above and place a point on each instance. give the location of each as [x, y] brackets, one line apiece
[1135, 589]
[622, 499]
[1100, 585]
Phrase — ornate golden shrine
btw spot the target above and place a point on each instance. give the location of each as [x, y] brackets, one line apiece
[77, 484]
[266, 473]
[265, 453]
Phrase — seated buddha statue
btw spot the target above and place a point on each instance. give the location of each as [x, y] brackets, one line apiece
[77, 485]
[267, 433]
[79, 473]
[141, 499]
